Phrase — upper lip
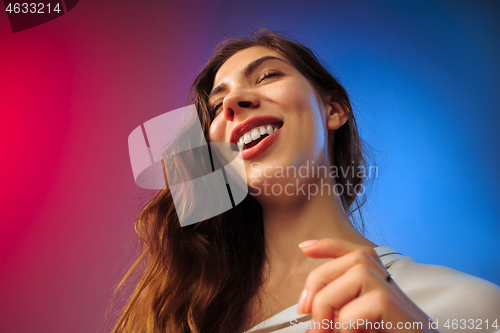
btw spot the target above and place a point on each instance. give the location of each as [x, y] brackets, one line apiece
[249, 124]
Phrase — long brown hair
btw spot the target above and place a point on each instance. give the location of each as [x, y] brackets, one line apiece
[200, 278]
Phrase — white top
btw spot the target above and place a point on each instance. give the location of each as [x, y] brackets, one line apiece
[455, 301]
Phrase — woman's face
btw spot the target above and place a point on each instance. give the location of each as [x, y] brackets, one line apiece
[271, 111]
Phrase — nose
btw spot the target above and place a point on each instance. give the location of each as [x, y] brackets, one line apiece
[238, 102]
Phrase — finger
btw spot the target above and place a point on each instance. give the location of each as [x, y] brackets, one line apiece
[319, 277]
[364, 314]
[357, 281]
[377, 311]
[324, 325]
[332, 248]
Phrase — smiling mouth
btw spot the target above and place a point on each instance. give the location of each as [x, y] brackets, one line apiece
[256, 135]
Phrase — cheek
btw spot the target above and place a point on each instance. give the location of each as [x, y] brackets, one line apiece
[299, 96]
[307, 111]
[309, 122]
[217, 130]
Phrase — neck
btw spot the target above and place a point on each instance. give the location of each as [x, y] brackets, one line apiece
[289, 221]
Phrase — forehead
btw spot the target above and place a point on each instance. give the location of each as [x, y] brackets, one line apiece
[240, 59]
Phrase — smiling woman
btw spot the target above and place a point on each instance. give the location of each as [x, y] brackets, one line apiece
[261, 266]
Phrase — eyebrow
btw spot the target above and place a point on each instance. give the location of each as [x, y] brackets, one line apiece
[246, 71]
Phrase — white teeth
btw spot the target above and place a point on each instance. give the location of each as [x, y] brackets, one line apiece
[247, 138]
[255, 134]
[269, 129]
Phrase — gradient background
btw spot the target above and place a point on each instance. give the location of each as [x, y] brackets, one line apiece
[424, 77]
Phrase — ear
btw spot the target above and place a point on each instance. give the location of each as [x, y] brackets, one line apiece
[336, 115]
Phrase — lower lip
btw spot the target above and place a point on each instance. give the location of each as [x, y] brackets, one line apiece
[259, 148]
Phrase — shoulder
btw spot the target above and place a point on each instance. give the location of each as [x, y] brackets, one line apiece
[446, 294]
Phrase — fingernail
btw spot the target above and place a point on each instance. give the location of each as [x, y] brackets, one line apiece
[302, 301]
[308, 243]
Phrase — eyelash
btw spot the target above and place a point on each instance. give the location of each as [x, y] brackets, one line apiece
[268, 74]
[215, 107]
[264, 76]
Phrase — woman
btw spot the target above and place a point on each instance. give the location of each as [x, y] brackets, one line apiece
[288, 252]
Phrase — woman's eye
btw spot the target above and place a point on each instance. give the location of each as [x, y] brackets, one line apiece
[216, 107]
[267, 75]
